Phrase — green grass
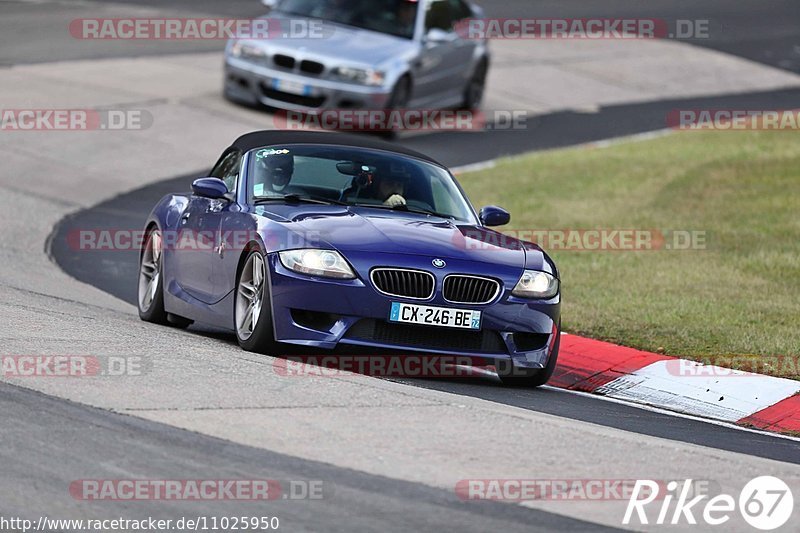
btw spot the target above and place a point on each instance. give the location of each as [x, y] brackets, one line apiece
[738, 296]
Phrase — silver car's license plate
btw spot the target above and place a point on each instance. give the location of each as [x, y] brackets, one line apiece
[293, 87]
[435, 316]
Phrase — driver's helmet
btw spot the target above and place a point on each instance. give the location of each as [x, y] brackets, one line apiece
[395, 172]
[275, 167]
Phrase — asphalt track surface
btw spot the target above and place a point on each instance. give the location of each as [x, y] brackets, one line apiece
[102, 443]
[351, 499]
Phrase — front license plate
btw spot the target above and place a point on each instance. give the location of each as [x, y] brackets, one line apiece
[292, 87]
[435, 316]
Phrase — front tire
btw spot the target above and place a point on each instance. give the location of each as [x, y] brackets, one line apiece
[475, 89]
[514, 376]
[401, 95]
[252, 309]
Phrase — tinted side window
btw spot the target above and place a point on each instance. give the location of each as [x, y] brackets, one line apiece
[439, 16]
[460, 10]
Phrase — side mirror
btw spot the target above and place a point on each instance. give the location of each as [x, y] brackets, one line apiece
[213, 188]
[270, 4]
[438, 36]
[492, 215]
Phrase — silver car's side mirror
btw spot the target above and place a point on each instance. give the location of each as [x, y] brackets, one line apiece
[438, 36]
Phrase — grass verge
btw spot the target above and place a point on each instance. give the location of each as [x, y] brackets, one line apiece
[736, 298]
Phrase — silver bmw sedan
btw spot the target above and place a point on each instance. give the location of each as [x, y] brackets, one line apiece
[360, 54]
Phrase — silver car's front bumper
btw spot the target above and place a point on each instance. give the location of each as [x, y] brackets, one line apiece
[252, 83]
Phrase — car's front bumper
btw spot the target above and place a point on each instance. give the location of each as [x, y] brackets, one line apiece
[331, 314]
[255, 84]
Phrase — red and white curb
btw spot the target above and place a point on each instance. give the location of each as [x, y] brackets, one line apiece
[679, 385]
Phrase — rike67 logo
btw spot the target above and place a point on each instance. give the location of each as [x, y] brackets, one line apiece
[766, 503]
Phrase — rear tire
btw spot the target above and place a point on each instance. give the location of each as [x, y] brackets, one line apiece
[150, 296]
[514, 376]
[252, 307]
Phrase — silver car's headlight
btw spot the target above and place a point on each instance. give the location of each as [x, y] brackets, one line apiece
[323, 263]
[360, 75]
[247, 51]
[536, 284]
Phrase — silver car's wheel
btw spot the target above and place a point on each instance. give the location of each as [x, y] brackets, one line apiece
[150, 272]
[473, 93]
[250, 296]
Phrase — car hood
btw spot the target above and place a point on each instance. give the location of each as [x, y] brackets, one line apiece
[340, 43]
[371, 230]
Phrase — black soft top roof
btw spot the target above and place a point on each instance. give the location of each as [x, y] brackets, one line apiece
[257, 139]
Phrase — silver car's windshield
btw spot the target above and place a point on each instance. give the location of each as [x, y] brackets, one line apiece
[354, 176]
[395, 17]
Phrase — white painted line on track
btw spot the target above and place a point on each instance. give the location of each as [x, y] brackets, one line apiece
[663, 411]
[646, 407]
[605, 143]
[705, 390]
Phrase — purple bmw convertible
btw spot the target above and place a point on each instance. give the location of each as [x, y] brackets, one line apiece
[326, 240]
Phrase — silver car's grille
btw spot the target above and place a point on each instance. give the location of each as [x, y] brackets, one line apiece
[311, 67]
[283, 61]
[306, 66]
[404, 283]
[470, 289]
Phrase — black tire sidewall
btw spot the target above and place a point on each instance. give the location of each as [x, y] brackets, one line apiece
[482, 70]
[156, 312]
[262, 340]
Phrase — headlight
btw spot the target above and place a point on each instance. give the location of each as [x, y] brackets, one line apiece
[323, 263]
[535, 284]
[247, 51]
[360, 75]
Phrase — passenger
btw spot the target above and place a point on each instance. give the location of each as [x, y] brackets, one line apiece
[274, 171]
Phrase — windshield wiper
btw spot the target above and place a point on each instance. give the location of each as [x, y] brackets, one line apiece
[405, 208]
[297, 198]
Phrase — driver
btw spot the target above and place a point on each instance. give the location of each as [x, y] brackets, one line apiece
[387, 184]
[390, 188]
[275, 168]
[341, 11]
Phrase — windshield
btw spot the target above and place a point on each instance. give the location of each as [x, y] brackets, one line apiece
[354, 176]
[395, 17]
